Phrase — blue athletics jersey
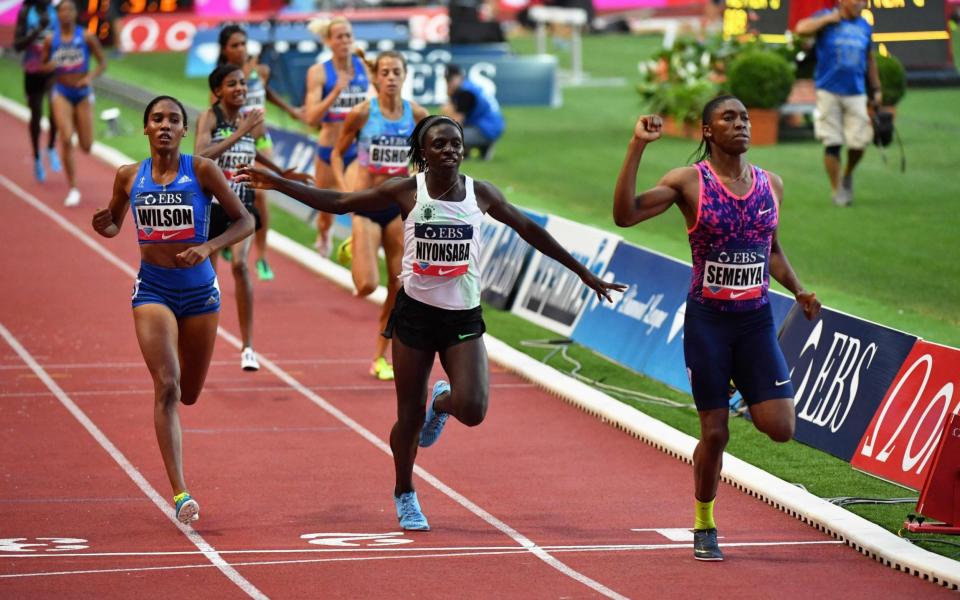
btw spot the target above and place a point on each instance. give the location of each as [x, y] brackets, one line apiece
[485, 115]
[177, 212]
[350, 96]
[72, 55]
[842, 56]
[384, 145]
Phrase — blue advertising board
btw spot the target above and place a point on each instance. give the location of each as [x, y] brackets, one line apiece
[841, 368]
[503, 260]
[513, 80]
[643, 327]
[551, 295]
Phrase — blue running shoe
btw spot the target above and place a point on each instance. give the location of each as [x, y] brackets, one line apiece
[705, 546]
[54, 159]
[434, 421]
[38, 171]
[409, 513]
[187, 508]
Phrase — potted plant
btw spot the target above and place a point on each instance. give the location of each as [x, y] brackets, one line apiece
[678, 82]
[762, 79]
[893, 80]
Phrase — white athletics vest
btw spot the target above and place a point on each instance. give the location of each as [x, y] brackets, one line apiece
[441, 250]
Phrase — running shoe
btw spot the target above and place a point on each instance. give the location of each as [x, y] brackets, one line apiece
[433, 422]
[54, 159]
[38, 171]
[381, 369]
[227, 253]
[345, 251]
[248, 360]
[264, 272]
[705, 546]
[187, 508]
[409, 514]
[73, 197]
[323, 245]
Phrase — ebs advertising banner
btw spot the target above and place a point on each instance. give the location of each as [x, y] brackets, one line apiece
[643, 327]
[902, 437]
[841, 368]
[503, 259]
[552, 296]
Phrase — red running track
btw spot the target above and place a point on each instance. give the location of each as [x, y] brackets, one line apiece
[291, 467]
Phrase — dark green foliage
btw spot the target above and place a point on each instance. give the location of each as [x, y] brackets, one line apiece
[893, 78]
[760, 78]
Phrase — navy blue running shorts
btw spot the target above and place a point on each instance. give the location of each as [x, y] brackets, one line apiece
[719, 346]
[432, 329]
[186, 292]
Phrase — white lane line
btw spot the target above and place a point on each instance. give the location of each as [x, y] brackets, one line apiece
[213, 363]
[128, 468]
[409, 550]
[519, 538]
[423, 553]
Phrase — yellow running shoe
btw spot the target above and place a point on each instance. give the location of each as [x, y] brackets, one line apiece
[345, 253]
[381, 369]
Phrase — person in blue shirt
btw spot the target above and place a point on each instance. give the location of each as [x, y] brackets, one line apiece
[844, 65]
[476, 110]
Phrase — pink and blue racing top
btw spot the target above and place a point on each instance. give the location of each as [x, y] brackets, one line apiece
[730, 242]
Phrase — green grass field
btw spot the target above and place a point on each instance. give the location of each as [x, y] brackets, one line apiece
[890, 258]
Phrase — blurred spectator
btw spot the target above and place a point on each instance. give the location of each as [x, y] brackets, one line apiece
[477, 111]
[844, 63]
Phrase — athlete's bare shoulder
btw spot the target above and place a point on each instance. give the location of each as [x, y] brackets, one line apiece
[680, 176]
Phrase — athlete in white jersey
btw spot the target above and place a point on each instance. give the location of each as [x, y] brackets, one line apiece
[438, 310]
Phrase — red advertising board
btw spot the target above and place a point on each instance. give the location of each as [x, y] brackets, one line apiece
[900, 441]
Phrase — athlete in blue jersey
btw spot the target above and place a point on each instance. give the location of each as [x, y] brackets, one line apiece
[476, 110]
[381, 128]
[176, 299]
[233, 50]
[334, 87]
[732, 211]
[35, 22]
[68, 52]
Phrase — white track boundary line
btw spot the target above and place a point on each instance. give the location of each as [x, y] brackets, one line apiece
[866, 537]
[205, 548]
[522, 540]
[424, 553]
[407, 550]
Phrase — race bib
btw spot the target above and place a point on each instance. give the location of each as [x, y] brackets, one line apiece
[348, 98]
[164, 216]
[442, 250]
[389, 155]
[734, 274]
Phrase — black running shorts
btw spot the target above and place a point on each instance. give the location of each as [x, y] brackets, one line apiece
[432, 329]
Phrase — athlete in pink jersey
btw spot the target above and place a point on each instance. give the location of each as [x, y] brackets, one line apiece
[732, 209]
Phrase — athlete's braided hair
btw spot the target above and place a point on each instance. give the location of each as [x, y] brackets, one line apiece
[225, 34]
[152, 103]
[416, 138]
[703, 150]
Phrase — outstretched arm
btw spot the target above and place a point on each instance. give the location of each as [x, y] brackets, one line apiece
[780, 267]
[540, 239]
[378, 198]
[629, 208]
[242, 223]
